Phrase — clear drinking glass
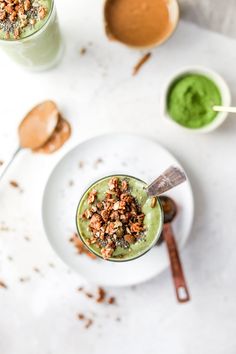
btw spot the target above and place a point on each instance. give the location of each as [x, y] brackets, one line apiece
[148, 247]
[39, 51]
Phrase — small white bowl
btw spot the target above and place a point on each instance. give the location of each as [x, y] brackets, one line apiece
[216, 78]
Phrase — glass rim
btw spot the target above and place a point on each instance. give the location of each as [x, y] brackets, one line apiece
[21, 40]
[115, 260]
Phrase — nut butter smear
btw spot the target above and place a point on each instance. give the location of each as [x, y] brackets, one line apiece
[38, 125]
[138, 23]
[42, 130]
[58, 138]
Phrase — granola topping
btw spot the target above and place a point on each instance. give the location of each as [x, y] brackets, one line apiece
[153, 202]
[115, 221]
[15, 15]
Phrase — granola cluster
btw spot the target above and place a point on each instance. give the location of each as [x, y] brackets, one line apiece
[15, 15]
[116, 221]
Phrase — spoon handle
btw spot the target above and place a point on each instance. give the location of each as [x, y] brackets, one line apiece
[224, 109]
[9, 162]
[169, 179]
[181, 288]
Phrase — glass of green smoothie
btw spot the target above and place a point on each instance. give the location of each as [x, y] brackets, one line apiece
[117, 220]
[30, 34]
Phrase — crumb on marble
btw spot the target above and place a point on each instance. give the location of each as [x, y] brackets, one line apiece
[24, 279]
[81, 164]
[83, 51]
[101, 295]
[36, 270]
[80, 247]
[111, 300]
[141, 62]
[97, 162]
[27, 238]
[87, 321]
[3, 285]
[81, 316]
[15, 185]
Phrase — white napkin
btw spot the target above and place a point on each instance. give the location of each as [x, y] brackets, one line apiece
[216, 15]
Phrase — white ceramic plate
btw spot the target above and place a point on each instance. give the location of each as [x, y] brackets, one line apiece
[123, 154]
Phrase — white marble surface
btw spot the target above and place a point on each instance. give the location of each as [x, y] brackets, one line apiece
[98, 94]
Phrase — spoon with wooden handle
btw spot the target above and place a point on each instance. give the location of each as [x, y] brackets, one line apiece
[169, 179]
[170, 211]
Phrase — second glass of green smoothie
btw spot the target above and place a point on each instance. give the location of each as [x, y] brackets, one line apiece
[30, 34]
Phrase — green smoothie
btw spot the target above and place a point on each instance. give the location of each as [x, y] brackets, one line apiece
[190, 100]
[29, 32]
[127, 243]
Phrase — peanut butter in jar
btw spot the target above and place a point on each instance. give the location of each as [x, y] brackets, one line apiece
[140, 23]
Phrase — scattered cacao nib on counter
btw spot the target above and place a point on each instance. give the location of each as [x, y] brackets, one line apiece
[3, 285]
[141, 62]
[80, 247]
[100, 296]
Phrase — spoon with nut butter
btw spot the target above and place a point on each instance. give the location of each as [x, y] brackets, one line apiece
[36, 129]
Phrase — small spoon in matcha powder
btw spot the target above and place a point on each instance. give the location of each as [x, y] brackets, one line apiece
[224, 109]
[35, 129]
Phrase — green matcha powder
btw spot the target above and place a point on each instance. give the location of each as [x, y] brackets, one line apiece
[190, 100]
